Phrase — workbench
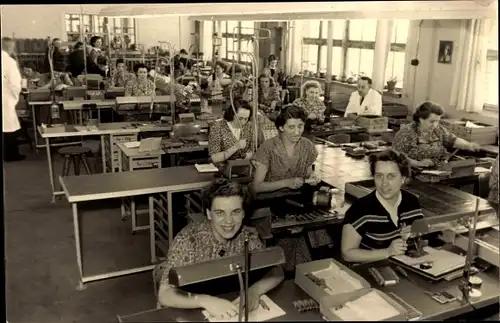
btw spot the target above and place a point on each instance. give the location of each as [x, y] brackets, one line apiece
[158, 184]
[71, 106]
[110, 134]
[288, 292]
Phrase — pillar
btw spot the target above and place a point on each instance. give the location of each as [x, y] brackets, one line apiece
[329, 54]
[382, 47]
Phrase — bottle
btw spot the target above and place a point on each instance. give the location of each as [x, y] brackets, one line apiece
[54, 113]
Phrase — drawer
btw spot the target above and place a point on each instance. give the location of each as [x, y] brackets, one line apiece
[145, 163]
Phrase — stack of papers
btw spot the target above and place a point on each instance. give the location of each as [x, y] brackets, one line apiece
[206, 168]
[369, 307]
[132, 144]
[469, 124]
[266, 311]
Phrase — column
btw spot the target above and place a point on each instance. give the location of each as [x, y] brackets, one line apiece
[329, 54]
[382, 47]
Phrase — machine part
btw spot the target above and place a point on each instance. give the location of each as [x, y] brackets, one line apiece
[475, 282]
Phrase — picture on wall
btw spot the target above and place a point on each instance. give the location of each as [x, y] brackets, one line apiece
[445, 52]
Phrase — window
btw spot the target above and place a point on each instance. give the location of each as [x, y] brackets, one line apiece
[396, 59]
[207, 35]
[336, 60]
[362, 35]
[363, 29]
[492, 69]
[95, 25]
[230, 43]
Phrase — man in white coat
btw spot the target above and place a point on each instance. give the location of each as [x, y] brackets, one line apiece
[11, 89]
[364, 101]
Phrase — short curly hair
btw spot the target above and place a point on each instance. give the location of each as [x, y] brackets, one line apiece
[291, 111]
[222, 187]
[391, 155]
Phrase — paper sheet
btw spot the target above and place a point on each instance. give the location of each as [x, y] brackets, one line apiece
[206, 168]
[261, 314]
[132, 144]
[369, 307]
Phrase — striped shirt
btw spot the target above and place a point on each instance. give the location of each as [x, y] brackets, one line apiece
[373, 223]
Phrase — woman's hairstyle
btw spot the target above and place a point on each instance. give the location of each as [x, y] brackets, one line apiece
[78, 45]
[238, 104]
[222, 187]
[94, 39]
[263, 76]
[221, 65]
[119, 61]
[290, 112]
[391, 155]
[237, 69]
[425, 110]
[272, 58]
[138, 66]
[307, 85]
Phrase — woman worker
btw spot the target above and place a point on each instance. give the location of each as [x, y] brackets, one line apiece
[286, 161]
[309, 101]
[425, 141]
[268, 95]
[232, 136]
[373, 225]
[141, 85]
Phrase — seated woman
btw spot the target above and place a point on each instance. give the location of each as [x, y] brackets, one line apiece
[372, 225]
[232, 137]
[222, 234]
[268, 95]
[142, 85]
[120, 76]
[309, 101]
[425, 141]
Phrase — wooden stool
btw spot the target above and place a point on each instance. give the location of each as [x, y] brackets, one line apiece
[75, 154]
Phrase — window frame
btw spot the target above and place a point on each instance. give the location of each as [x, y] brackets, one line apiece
[492, 55]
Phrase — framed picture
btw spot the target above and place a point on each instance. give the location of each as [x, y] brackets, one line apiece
[445, 55]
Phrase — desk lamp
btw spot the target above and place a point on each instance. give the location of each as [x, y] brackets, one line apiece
[228, 266]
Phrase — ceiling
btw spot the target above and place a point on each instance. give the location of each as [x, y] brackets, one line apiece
[282, 11]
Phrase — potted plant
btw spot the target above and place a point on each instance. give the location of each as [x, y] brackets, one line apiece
[391, 84]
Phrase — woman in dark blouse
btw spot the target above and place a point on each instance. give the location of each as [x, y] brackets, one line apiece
[376, 226]
[232, 137]
[425, 141]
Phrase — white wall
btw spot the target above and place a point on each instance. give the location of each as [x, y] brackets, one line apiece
[42, 21]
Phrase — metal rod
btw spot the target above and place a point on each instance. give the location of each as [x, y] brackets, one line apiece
[153, 95]
[84, 41]
[247, 269]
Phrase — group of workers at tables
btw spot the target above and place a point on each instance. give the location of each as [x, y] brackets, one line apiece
[372, 225]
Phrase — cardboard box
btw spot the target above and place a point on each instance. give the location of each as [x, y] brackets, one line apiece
[485, 135]
[310, 287]
[342, 122]
[373, 123]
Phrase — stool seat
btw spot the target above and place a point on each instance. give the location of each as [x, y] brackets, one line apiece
[74, 151]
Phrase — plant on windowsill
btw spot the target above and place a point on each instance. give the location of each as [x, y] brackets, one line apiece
[391, 84]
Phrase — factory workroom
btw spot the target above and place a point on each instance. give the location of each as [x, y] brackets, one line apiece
[251, 162]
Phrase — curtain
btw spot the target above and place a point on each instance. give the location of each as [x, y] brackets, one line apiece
[468, 92]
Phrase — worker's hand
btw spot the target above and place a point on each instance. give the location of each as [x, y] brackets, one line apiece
[397, 247]
[248, 155]
[242, 144]
[295, 183]
[253, 300]
[313, 180]
[474, 146]
[218, 308]
[426, 163]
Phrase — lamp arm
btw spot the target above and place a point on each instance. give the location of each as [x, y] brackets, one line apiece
[242, 293]
[247, 269]
[464, 285]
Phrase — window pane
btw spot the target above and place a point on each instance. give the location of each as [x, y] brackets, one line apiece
[363, 29]
[310, 58]
[312, 28]
[245, 25]
[230, 48]
[231, 25]
[493, 39]
[395, 67]
[338, 29]
[207, 39]
[400, 31]
[336, 60]
[222, 49]
[366, 62]
[492, 81]
[353, 55]
[223, 27]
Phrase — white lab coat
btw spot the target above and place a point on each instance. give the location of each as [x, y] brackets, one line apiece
[372, 104]
[11, 89]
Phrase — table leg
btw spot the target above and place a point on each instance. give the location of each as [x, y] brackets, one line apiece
[103, 153]
[99, 115]
[51, 169]
[33, 113]
[133, 215]
[81, 116]
[152, 228]
[172, 160]
[170, 219]
[76, 226]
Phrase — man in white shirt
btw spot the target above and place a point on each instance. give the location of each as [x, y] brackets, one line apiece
[11, 89]
[364, 101]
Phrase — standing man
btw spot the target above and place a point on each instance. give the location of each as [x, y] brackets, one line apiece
[11, 89]
[364, 101]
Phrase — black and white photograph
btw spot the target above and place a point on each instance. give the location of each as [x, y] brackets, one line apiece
[445, 52]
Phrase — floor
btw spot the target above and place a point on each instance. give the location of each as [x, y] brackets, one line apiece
[41, 271]
[41, 274]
